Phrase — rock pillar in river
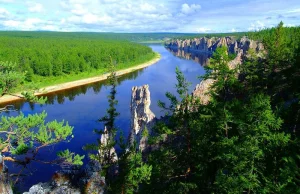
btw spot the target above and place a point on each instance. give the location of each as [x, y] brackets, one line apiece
[142, 118]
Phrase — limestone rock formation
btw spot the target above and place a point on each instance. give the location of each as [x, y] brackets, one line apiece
[240, 48]
[201, 91]
[211, 44]
[142, 117]
[238, 60]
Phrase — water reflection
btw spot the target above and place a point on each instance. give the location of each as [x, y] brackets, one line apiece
[71, 94]
[198, 57]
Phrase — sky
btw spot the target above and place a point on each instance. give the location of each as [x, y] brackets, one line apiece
[194, 16]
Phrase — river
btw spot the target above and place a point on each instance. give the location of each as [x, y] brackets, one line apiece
[84, 105]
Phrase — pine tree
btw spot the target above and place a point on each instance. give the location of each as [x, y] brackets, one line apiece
[10, 77]
[105, 148]
[22, 138]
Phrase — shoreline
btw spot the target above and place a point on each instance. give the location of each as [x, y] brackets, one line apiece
[73, 84]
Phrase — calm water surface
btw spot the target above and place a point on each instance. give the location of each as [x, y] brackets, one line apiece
[84, 105]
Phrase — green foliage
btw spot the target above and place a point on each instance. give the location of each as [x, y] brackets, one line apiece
[21, 148]
[133, 172]
[70, 158]
[54, 54]
[145, 132]
[10, 77]
[232, 56]
[109, 119]
[246, 139]
[26, 135]
[170, 175]
[30, 97]
[105, 150]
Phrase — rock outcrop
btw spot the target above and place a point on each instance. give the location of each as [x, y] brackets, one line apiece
[201, 91]
[240, 48]
[209, 45]
[5, 186]
[88, 180]
[104, 141]
[142, 118]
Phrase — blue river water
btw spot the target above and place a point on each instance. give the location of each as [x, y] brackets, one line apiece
[84, 105]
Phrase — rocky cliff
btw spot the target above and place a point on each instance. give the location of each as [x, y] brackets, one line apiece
[239, 47]
[209, 45]
[142, 118]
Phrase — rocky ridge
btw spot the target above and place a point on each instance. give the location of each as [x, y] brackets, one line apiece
[143, 118]
[209, 45]
[239, 47]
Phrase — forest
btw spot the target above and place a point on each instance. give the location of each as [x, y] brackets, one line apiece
[53, 54]
[244, 140]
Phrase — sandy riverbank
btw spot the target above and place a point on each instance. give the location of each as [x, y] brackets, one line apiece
[67, 85]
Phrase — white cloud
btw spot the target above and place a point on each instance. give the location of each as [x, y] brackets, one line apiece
[28, 24]
[202, 30]
[50, 27]
[146, 7]
[3, 12]
[190, 9]
[145, 16]
[109, 1]
[289, 25]
[89, 19]
[256, 26]
[11, 23]
[7, 1]
[79, 10]
[294, 11]
[35, 7]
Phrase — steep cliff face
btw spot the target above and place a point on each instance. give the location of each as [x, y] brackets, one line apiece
[142, 118]
[211, 44]
[241, 48]
[201, 90]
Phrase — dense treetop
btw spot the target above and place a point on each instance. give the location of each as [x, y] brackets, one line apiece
[246, 139]
[53, 54]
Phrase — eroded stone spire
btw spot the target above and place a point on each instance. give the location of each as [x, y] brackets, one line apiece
[142, 118]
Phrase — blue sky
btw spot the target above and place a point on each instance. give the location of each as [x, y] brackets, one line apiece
[147, 16]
